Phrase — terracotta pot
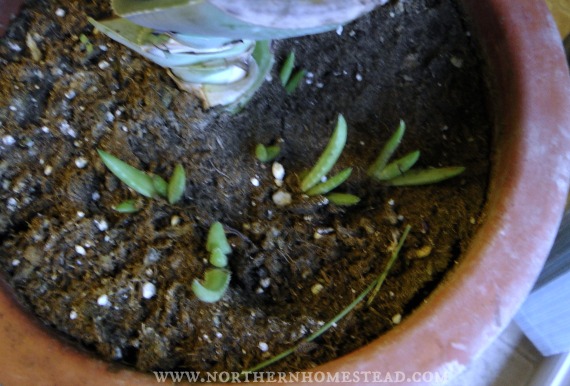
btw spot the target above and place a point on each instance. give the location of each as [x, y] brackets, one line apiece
[477, 300]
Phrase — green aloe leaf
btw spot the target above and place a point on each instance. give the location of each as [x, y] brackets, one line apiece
[343, 199]
[218, 258]
[266, 153]
[331, 183]
[388, 150]
[214, 286]
[287, 69]
[127, 206]
[426, 176]
[398, 167]
[160, 185]
[217, 239]
[177, 184]
[133, 177]
[329, 156]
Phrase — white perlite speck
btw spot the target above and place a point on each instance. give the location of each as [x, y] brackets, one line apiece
[148, 290]
[60, 12]
[254, 181]
[278, 171]
[80, 162]
[282, 198]
[101, 225]
[103, 64]
[266, 282]
[103, 301]
[396, 319]
[79, 249]
[15, 262]
[66, 129]
[8, 140]
[339, 30]
[73, 315]
[70, 94]
[263, 346]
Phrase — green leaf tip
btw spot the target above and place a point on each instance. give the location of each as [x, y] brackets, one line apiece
[160, 185]
[218, 258]
[398, 167]
[294, 81]
[388, 150]
[214, 286]
[343, 199]
[177, 184]
[217, 239]
[329, 156]
[331, 183]
[426, 176]
[267, 153]
[287, 69]
[127, 206]
[131, 176]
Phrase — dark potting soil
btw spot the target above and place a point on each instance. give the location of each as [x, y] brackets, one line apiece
[80, 266]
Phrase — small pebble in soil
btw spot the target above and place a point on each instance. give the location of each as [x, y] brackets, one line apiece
[263, 346]
[358, 78]
[103, 64]
[282, 198]
[60, 12]
[254, 181]
[396, 319]
[80, 162]
[423, 251]
[15, 262]
[103, 301]
[101, 225]
[66, 129]
[95, 196]
[316, 288]
[45, 129]
[148, 290]
[79, 249]
[219, 335]
[457, 62]
[278, 171]
[70, 94]
[8, 140]
[175, 220]
[266, 282]
[12, 204]
[80, 214]
[73, 315]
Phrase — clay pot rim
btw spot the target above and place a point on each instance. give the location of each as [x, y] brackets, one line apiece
[497, 271]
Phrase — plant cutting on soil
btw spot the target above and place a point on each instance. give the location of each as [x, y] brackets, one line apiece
[123, 285]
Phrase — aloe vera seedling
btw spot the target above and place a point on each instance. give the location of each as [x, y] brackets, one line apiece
[399, 172]
[267, 153]
[216, 280]
[220, 49]
[148, 185]
[311, 183]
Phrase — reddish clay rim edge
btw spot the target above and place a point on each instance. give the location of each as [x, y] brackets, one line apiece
[462, 317]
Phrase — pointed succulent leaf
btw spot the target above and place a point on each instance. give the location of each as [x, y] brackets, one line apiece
[218, 258]
[388, 150]
[160, 185]
[214, 286]
[329, 156]
[287, 69]
[266, 153]
[177, 184]
[343, 199]
[331, 183]
[217, 239]
[294, 81]
[127, 206]
[426, 176]
[133, 177]
[398, 167]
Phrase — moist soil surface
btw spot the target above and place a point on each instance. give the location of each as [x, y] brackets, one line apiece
[64, 248]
